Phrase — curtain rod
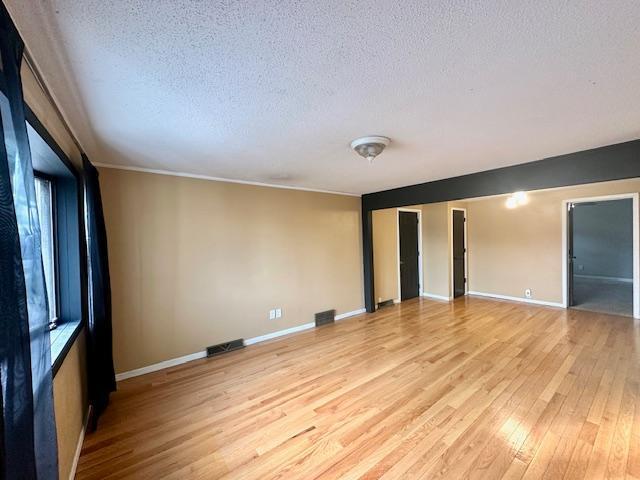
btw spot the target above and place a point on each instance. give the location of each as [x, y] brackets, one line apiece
[43, 86]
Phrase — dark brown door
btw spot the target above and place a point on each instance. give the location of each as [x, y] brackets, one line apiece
[459, 275]
[409, 276]
[570, 255]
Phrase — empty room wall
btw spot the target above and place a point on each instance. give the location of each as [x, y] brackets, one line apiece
[512, 250]
[603, 239]
[70, 396]
[437, 245]
[196, 262]
[435, 249]
[385, 254]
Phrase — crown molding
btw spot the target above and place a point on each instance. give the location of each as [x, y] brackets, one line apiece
[220, 179]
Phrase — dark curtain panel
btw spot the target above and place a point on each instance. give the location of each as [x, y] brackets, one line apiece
[29, 436]
[100, 372]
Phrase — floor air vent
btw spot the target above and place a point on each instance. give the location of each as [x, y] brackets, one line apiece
[386, 303]
[324, 318]
[225, 347]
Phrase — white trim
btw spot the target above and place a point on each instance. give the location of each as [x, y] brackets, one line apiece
[436, 297]
[279, 333]
[342, 316]
[600, 277]
[220, 179]
[516, 299]
[160, 366]
[76, 456]
[419, 212]
[250, 341]
[636, 244]
[466, 261]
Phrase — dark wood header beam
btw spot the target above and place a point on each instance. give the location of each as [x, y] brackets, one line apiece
[613, 162]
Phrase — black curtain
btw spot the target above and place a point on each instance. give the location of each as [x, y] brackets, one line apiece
[29, 448]
[100, 372]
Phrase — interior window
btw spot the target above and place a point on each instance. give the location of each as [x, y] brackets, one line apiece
[45, 200]
[57, 199]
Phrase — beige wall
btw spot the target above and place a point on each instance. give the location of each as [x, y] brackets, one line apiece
[435, 256]
[508, 250]
[70, 403]
[436, 250]
[195, 263]
[437, 247]
[511, 250]
[385, 254]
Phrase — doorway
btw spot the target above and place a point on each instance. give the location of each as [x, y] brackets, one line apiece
[459, 254]
[409, 247]
[601, 255]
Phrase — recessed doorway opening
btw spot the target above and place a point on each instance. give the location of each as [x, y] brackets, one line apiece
[601, 254]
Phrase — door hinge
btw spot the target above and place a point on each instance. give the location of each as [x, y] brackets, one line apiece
[465, 280]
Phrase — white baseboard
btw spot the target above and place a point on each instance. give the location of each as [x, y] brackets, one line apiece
[279, 333]
[249, 341]
[159, 366]
[436, 297]
[342, 316]
[76, 457]
[598, 277]
[517, 299]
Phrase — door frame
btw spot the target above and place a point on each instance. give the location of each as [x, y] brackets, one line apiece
[466, 253]
[419, 212]
[636, 245]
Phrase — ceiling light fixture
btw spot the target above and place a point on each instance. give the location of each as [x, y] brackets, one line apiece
[516, 199]
[370, 147]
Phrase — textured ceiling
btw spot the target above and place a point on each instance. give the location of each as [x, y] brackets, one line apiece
[275, 91]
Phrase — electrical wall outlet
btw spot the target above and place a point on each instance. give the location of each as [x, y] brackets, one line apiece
[278, 312]
[272, 314]
[527, 293]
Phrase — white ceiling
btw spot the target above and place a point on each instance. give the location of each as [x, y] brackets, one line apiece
[274, 91]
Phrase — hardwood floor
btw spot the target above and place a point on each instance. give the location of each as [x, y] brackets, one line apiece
[472, 389]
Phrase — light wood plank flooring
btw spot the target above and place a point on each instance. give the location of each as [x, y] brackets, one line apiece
[472, 389]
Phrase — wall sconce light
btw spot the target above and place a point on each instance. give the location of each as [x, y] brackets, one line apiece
[516, 199]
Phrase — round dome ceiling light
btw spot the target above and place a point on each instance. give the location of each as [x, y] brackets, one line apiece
[370, 147]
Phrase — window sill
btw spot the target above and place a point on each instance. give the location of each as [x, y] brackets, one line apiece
[62, 338]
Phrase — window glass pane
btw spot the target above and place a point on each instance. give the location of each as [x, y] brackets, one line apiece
[45, 214]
